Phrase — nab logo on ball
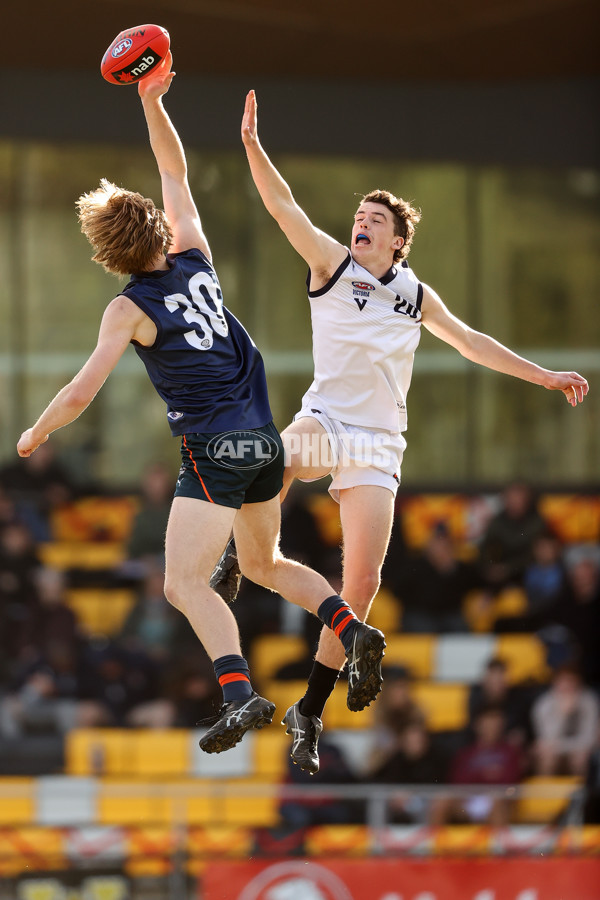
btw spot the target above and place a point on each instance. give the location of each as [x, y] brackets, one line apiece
[122, 47]
[242, 450]
[134, 53]
[139, 67]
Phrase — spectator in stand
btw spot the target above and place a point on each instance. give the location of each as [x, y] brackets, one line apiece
[51, 620]
[515, 702]
[190, 693]
[433, 586]
[153, 628]
[415, 761]
[506, 547]
[121, 682]
[578, 609]
[544, 578]
[49, 696]
[38, 485]
[18, 592]
[565, 722]
[489, 760]
[147, 538]
[394, 711]
[195, 691]
[305, 811]
[18, 564]
[591, 808]
[8, 509]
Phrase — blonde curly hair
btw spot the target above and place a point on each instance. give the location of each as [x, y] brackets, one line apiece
[127, 231]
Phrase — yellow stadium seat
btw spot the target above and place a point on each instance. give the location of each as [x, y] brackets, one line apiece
[283, 694]
[94, 751]
[416, 652]
[249, 810]
[337, 714]
[139, 753]
[81, 555]
[101, 611]
[539, 809]
[465, 840]
[385, 612]
[164, 753]
[271, 651]
[445, 705]
[575, 519]
[271, 747]
[17, 801]
[94, 518]
[32, 848]
[327, 516]
[220, 842]
[122, 803]
[420, 515]
[524, 655]
[338, 840]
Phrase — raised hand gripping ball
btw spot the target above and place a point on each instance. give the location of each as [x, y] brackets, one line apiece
[135, 53]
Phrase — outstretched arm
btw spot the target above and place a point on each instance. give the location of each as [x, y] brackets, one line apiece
[170, 157]
[119, 325]
[482, 349]
[322, 253]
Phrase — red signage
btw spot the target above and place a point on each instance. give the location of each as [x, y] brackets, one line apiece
[387, 879]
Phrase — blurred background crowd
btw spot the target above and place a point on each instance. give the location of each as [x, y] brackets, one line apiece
[132, 661]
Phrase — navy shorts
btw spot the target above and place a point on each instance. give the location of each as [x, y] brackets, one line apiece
[230, 468]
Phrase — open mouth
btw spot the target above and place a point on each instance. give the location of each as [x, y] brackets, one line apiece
[362, 238]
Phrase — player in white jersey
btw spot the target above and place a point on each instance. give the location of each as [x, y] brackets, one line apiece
[367, 308]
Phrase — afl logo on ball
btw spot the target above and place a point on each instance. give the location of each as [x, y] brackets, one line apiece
[122, 47]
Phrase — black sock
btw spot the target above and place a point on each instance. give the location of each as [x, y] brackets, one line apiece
[233, 675]
[321, 683]
[338, 616]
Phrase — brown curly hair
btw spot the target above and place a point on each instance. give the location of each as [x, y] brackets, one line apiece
[405, 218]
[127, 231]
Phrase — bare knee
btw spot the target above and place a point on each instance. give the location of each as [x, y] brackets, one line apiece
[360, 590]
[258, 569]
[174, 592]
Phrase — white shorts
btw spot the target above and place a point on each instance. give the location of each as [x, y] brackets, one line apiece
[360, 455]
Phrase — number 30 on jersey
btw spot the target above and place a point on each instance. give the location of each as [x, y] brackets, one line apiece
[203, 309]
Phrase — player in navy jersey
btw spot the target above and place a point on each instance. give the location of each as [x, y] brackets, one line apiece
[367, 308]
[205, 366]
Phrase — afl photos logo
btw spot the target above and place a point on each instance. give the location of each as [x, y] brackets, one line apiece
[242, 450]
[122, 47]
[292, 880]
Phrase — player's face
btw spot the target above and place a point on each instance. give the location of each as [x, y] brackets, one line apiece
[373, 233]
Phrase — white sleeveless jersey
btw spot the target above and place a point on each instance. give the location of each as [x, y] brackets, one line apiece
[365, 333]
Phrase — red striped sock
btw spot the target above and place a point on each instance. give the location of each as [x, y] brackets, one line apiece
[233, 675]
[338, 616]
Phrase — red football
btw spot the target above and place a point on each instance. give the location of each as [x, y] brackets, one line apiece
[134, 53]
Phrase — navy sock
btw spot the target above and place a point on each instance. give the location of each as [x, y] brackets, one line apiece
[233, 675]
[338, 616]
[321, 683]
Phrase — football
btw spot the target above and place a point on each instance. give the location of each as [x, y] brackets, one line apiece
[134, 53]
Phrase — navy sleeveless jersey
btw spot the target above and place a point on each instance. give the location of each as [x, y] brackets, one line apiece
[204, 364]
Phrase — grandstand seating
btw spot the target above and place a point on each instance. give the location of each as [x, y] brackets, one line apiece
[90, 536]
[101, 610]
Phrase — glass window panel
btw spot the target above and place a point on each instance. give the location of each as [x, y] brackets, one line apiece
[512, 252]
